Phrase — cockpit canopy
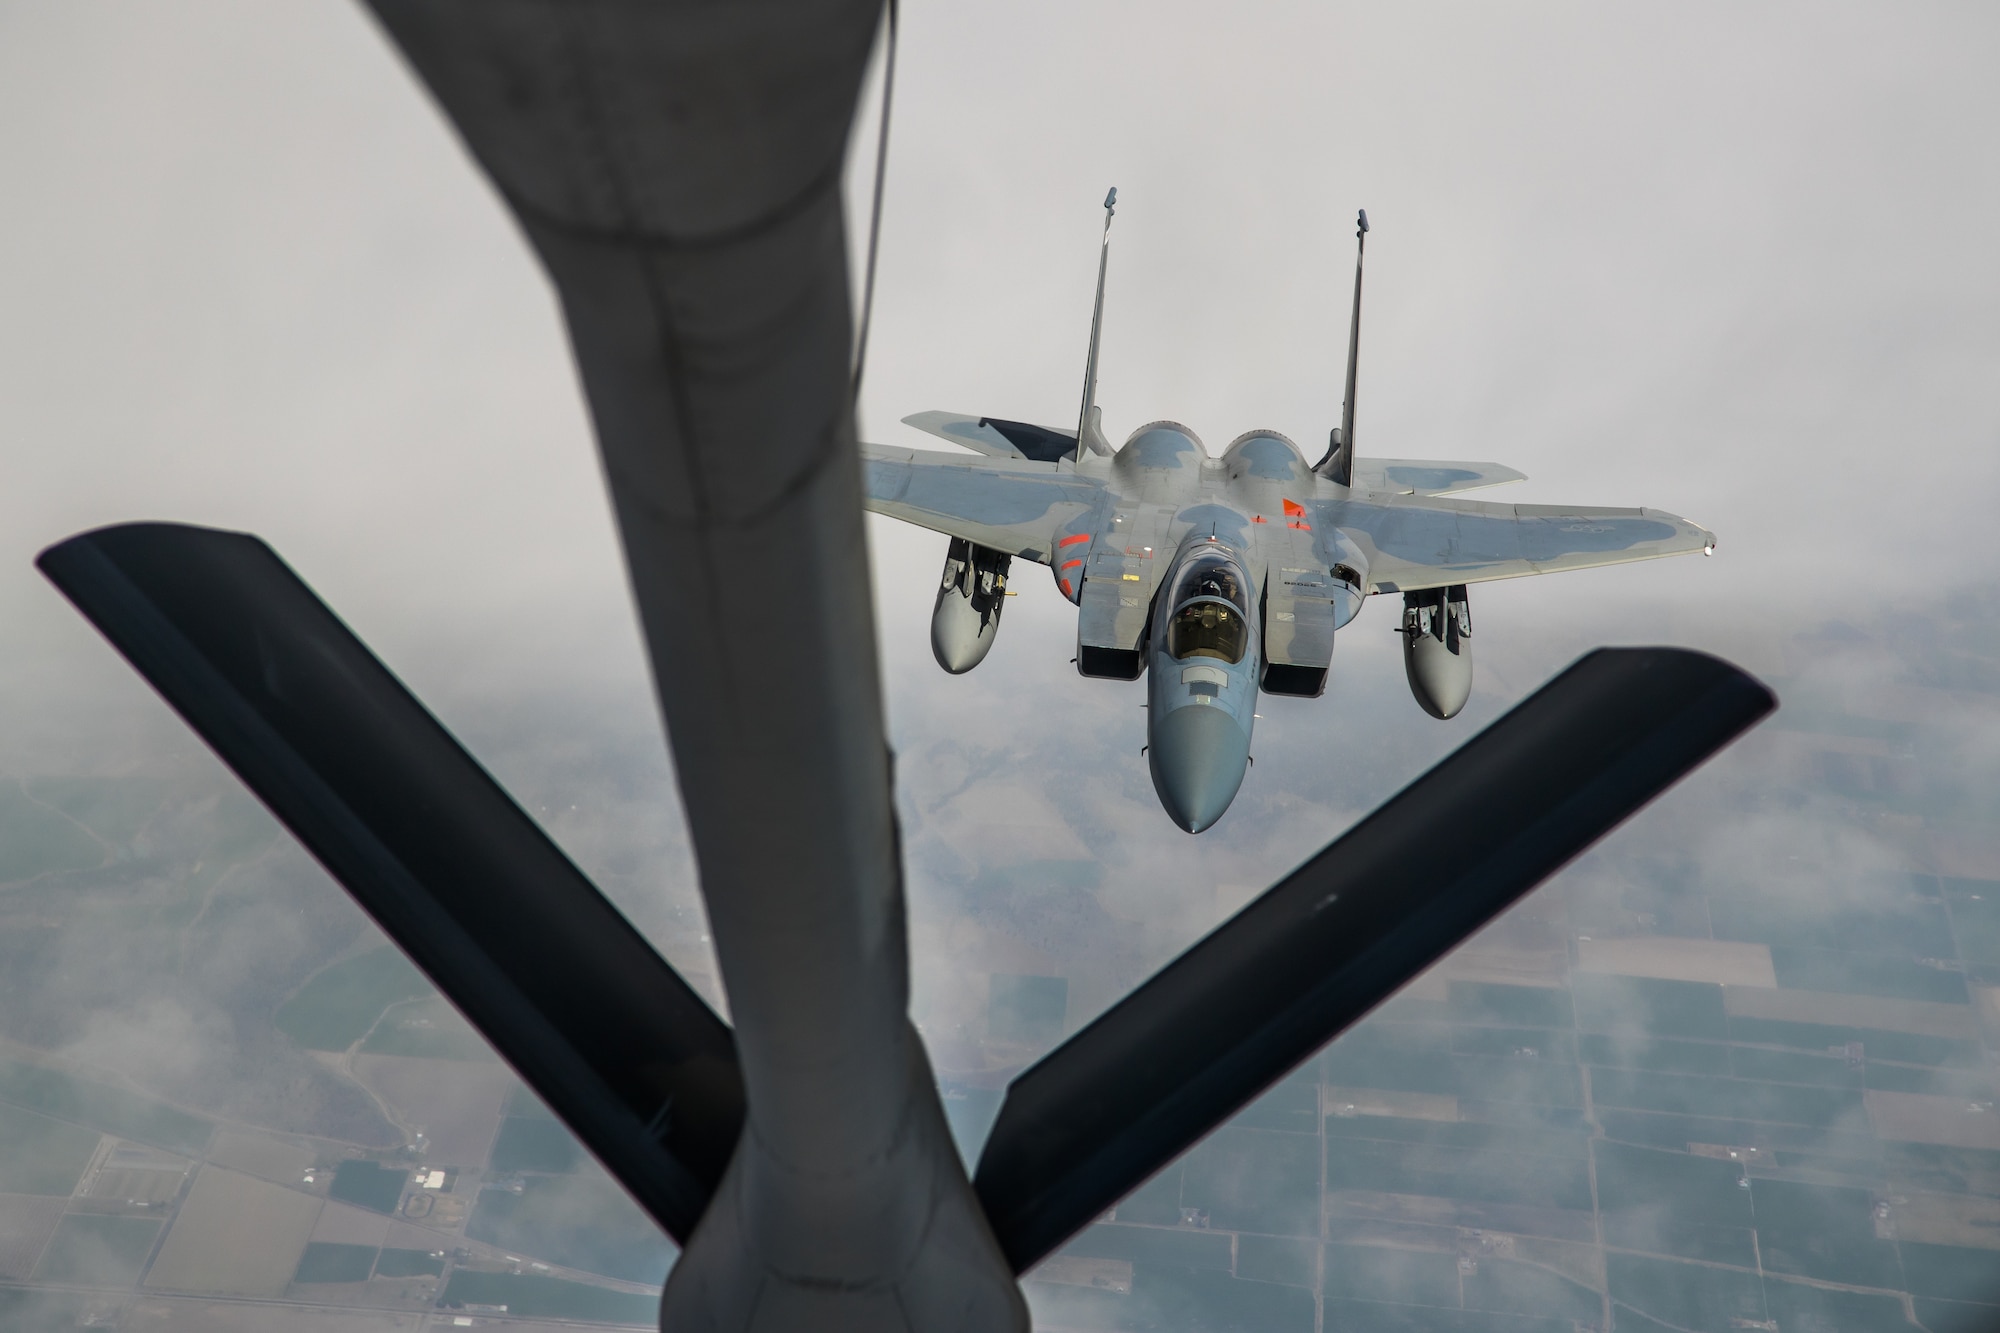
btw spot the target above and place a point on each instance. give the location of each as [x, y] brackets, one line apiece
[1211, 610]
[1215, 575]
[1208, 629]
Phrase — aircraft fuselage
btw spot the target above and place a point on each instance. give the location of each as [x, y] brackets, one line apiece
[1202, 697]
[1226, 528]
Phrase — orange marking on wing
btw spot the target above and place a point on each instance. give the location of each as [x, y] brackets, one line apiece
[1302, 527]
[1066, 588]
[1293, 509]
[1069, 564]
[1259, 518]
[1084, 537]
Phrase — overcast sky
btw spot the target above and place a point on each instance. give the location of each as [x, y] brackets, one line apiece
[1733, 261]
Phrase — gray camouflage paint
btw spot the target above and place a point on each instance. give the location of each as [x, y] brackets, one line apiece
[1396, 516]
[1312, 549]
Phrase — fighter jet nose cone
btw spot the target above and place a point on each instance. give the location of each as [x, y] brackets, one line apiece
[1198, 754]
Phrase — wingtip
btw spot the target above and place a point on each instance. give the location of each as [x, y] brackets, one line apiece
[1685, 528]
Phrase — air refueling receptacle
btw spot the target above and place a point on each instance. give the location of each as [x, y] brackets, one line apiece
[1437, 648]
[971, 593]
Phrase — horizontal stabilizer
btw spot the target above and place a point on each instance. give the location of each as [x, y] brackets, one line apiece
[1428, 476]
[1139, 1086]
[458, 875]
[997, 436]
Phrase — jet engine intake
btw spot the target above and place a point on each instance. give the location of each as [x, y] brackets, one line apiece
[1437, 648]
[971, 593]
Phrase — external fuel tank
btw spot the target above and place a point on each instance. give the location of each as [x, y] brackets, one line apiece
[1437, 648]
[971, 593]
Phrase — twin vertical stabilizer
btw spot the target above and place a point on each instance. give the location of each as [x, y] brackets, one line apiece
[1338, 464]
[1090, 422]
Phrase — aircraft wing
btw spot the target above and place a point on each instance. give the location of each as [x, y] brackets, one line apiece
[1422, 542]
[1428, 476]
[1006, 504]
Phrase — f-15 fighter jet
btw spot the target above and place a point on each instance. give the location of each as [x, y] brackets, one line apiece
[1229, 574]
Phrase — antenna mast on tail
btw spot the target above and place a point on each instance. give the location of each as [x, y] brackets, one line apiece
[1089, 422]
[1338, 465]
